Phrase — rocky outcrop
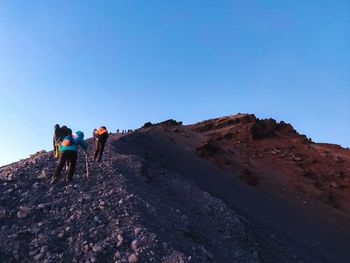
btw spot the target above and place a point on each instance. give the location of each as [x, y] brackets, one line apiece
[167, 123]
[254, 149]
[269, 128]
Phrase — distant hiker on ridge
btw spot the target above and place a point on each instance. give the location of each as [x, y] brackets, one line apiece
[68, 154]
[100, 137]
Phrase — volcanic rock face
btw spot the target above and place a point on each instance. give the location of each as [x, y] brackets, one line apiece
[273, 155]
[166, 123]
[270, 128]
[244, 127]
[156, 198]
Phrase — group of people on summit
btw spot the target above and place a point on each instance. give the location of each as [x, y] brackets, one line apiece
[66, 143]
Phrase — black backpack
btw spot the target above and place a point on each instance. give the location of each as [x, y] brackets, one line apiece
[63, 132]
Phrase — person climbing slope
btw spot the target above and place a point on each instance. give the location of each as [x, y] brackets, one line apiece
[100, 137]
[68, 154]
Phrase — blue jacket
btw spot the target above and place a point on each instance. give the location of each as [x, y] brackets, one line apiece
[71, 142]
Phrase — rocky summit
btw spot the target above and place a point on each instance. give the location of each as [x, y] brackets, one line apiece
[232, 189]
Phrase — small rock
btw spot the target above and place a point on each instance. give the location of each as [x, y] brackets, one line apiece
[41, 206]
[22, 214]
[137, 230]
[298, 159]
[92, 260]
[86, 248]
[43, 175]
[117, 254]
[133, 258]
[60, 235]
[334, 185]
[23, 211]
[134, 245]
[97, 248]
[38, 257]
[120, 237]
[70, 240]
[43, 249]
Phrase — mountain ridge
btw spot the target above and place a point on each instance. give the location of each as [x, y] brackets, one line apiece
[181, 193]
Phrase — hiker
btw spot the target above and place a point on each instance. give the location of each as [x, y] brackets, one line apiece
[100, 137]
[56, 136]
[59, 134]
[68, 153]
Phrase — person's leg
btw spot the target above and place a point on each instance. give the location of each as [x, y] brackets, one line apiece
[97, 147]
[73, 156]
[56, 154]
[67, 166]
[58, 170]
[102, 147]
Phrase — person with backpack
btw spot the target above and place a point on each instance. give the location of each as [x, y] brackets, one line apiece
[59, 134]
[100, 137]
[68, 154]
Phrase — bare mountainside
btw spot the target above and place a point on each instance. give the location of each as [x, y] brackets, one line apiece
[232, 189]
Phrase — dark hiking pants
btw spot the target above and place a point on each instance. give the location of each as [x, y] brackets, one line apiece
[69, 158]
[99, 145]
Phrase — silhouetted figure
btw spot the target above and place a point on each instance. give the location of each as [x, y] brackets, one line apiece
[100, 137]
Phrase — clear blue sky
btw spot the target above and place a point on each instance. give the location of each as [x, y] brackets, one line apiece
[123, 63]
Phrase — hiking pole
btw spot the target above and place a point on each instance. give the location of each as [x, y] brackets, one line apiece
[87, 165]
